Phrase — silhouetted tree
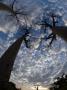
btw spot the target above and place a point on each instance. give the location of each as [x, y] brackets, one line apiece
[8, 58]
[11, 10]
[60, 84]
[8, 86]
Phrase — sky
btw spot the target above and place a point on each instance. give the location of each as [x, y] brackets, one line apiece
[30, 87]
[38, 65]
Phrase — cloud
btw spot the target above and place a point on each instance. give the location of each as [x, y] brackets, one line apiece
[38, 64]
[34, 67]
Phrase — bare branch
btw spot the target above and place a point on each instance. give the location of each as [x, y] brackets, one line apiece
[5, 7]
[12, 6]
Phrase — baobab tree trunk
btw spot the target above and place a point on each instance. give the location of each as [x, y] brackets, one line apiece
[61, 31]
[7, 60]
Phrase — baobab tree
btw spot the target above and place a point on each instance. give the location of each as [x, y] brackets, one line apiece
[60, 31]
[8, 58]
[37, 87]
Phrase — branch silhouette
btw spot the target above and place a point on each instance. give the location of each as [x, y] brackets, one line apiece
[10, 9]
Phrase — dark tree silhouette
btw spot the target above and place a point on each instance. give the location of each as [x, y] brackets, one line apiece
[37, 87]
[52, 35]
[60, 84]
[8, 58]
[8, 86]
[11, 10]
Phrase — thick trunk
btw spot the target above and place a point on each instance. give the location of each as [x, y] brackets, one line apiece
[7, 60]
[60, 31]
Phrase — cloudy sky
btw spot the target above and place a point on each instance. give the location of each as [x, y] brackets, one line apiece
[38, 64]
